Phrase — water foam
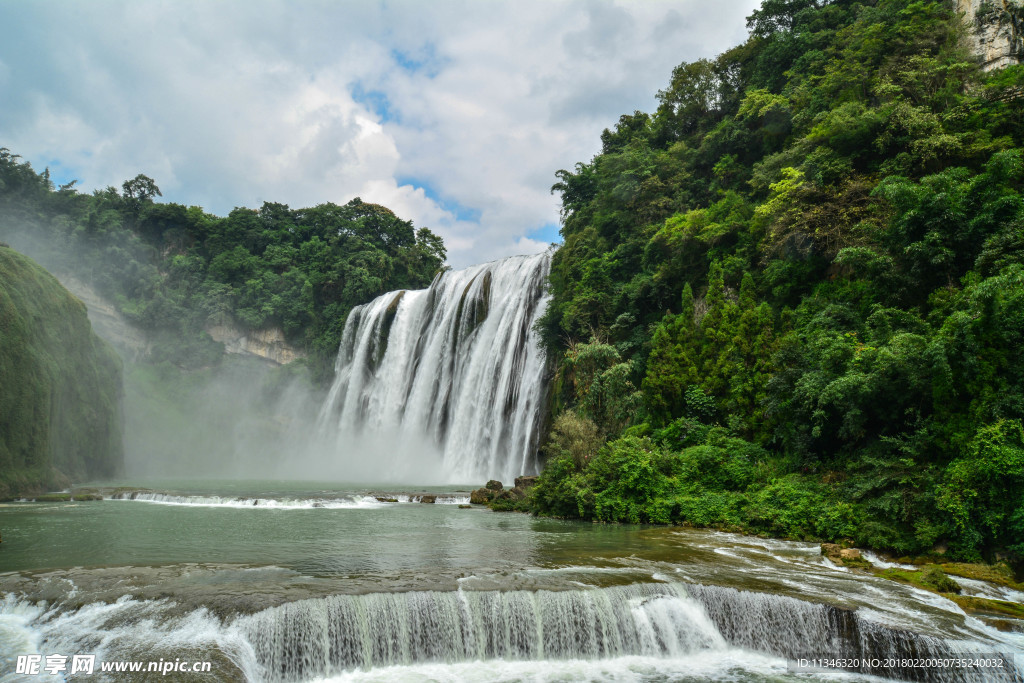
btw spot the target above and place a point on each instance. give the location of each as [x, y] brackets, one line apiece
[449, 381]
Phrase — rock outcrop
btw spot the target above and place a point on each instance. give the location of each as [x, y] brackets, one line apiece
[268, 344]
[107, 322]
[996, 30]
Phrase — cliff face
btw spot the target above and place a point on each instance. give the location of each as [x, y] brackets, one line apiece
[268, 344]
[60, 385]
[996, 29]
[135, 345]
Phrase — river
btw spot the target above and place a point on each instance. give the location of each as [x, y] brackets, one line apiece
[273, 581]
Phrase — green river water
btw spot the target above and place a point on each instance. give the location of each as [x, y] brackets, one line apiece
[304, 581]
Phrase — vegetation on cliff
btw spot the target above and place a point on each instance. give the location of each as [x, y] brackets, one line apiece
[60, 385]
[791, 300]
[174, 270]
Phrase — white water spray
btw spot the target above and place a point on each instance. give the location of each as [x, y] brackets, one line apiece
[446, 383]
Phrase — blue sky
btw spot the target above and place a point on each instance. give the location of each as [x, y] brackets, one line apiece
[454, 114]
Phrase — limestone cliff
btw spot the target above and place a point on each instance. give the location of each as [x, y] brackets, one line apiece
[134, 345]
[996, 30]
[269, 343]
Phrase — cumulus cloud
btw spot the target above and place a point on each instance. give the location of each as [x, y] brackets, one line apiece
[453, 113]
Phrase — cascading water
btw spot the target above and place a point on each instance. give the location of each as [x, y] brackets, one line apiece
[446, 383]
[657, 630]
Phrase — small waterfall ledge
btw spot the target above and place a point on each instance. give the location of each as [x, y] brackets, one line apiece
[451, 375]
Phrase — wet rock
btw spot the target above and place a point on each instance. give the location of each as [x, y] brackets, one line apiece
[832, 551]
[493, 485]
[382, 499]
[525, 482]
[481, 496]
[428, 498]
[849, 554]
[465, 507]
[857, 562]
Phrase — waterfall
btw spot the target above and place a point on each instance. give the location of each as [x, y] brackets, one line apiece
[659, 627]
[448, 382]
[325, 636]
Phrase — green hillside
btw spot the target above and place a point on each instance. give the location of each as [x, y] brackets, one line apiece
[60, 385]
[791, 299]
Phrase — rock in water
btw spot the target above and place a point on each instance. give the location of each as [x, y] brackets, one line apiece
[481, 496]
[493, 485]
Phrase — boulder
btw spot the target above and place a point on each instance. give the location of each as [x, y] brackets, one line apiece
[849, 554]
[481, 496]
[428, 498]
[525, 482]
[493, 485]
[832, 551]
[517, 493]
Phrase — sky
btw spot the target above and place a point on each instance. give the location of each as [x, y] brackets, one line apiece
[454, 114]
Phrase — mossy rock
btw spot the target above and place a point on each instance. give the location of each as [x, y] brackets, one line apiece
[976, 605]
[937, 580]
[481, 496]
[856, 563]
[53, 498]
[1000, 573]
[933, 579]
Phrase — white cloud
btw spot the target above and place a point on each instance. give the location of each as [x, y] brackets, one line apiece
[231, 104]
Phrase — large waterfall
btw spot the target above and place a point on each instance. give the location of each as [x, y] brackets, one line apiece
[446, 383]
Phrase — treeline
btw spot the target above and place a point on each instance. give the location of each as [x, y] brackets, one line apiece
[175, 270]
[791, 300]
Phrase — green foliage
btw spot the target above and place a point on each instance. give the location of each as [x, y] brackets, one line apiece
[176, 271]
[60, 385]
[983, 491]
[814, 245]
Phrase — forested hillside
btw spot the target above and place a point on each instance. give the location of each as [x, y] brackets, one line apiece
[175, 270]
[60, 385]
[791, 299]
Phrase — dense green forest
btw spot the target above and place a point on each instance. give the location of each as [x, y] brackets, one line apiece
[60, 394]
[791, 299]
[174, 270]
